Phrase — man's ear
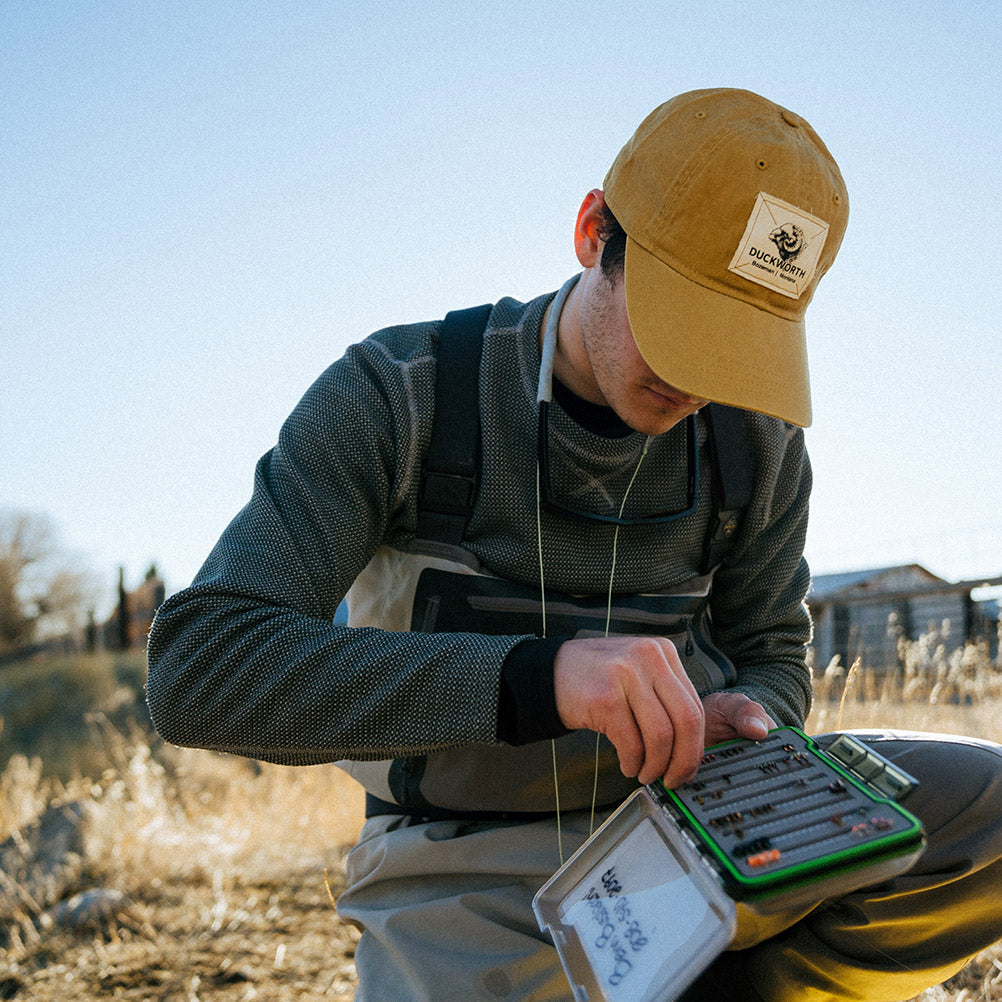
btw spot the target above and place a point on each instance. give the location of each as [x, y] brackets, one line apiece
[588, 242]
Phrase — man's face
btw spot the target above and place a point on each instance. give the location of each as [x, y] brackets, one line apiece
[625, 381]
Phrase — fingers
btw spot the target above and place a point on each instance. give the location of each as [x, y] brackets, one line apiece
[628, 739]
[667, 713]
[636, 692]
[681, 751]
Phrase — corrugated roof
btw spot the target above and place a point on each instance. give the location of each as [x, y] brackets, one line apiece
[824, 585]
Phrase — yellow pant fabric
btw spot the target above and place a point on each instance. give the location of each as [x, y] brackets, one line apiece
[446, 906]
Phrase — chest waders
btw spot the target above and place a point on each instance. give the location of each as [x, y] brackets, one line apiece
[438, 586]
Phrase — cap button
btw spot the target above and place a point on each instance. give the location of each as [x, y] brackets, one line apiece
[790, 118]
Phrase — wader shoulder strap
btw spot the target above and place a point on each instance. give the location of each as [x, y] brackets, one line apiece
[451, 466]
[732, 477]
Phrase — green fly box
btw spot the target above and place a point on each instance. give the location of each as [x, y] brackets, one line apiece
[648, 901]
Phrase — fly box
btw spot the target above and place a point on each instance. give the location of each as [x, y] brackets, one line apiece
[648, 901]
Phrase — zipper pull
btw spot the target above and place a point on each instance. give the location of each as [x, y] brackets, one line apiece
[690, 648]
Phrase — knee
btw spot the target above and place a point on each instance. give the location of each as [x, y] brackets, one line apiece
[958, 794]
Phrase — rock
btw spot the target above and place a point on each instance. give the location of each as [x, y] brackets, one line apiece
[41, 862]
[92, 909]
[11, 986]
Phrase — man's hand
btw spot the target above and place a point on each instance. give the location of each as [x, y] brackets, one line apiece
[635, 691]
[732, 715]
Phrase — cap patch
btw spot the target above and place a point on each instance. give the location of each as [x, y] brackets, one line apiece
[781, 246]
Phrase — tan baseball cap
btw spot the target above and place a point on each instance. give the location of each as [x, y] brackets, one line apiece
[733, 210]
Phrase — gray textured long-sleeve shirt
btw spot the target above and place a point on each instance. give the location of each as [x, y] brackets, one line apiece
[248, 660]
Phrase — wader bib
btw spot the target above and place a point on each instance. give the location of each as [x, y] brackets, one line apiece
[435, 585]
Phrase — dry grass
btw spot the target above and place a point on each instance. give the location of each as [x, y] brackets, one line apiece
[222, 866]
[933, 688]
[228, 868]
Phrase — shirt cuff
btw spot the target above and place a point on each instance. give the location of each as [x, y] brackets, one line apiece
[527, 704]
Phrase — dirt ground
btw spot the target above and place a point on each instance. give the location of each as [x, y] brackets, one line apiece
[218, 878]
[224, 874]
[274, 941]
[192, 942]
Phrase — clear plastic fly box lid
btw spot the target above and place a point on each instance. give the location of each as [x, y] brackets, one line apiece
[635, 914]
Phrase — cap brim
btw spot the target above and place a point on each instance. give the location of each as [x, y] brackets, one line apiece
[715, 347]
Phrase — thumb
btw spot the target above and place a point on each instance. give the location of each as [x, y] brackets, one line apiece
[752, 726]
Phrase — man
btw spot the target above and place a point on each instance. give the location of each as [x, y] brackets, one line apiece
[587, 615]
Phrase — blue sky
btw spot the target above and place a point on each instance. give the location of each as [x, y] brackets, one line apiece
[203, 204]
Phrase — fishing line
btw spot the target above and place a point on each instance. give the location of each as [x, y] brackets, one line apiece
[544, 391]
[545, 394]
[608, 616]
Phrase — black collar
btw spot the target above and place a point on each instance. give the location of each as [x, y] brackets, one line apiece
[595, 418]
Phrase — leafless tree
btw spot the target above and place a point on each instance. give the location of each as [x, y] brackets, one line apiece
[42, 592]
